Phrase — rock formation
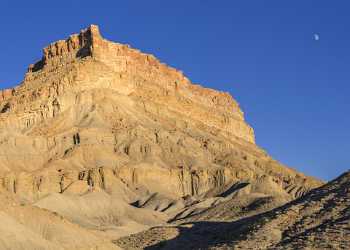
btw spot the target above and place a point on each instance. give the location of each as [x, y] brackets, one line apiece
[97, 116]
[318, 220]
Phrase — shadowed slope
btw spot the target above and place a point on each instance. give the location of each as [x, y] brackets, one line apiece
[319, 220]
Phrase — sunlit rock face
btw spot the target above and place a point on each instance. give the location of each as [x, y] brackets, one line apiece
[93, 112]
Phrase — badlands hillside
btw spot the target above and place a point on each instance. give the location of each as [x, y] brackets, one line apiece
[100, 141]
[318, 220]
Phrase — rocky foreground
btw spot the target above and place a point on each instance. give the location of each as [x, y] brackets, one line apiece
[101, 141]
[318, 220]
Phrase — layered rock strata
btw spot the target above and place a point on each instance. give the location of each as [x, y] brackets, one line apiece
[92, 112]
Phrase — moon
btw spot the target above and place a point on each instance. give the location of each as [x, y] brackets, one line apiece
[316, 37]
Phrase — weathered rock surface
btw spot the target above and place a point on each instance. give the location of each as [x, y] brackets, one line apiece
[91, 104]
[27, 227]
[97, 116]
[318, 220]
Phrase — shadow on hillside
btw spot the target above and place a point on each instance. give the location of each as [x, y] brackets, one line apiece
[202, 235]
[235, 187]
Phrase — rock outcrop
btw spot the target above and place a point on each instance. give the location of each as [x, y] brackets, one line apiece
[105, 105]
[92, 113]
[318, 220]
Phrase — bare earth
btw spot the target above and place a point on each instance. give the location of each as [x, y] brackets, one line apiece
[318, 220]
[103, 146]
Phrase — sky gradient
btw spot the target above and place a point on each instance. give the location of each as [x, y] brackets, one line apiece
[293, 89]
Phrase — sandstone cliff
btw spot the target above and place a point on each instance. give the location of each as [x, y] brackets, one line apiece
[90, 104]
[93, 115]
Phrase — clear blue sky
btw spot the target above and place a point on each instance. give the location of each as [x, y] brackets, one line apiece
[293, 89]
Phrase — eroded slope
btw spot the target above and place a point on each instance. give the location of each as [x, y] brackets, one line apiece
[318, 220]
[99, 119]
